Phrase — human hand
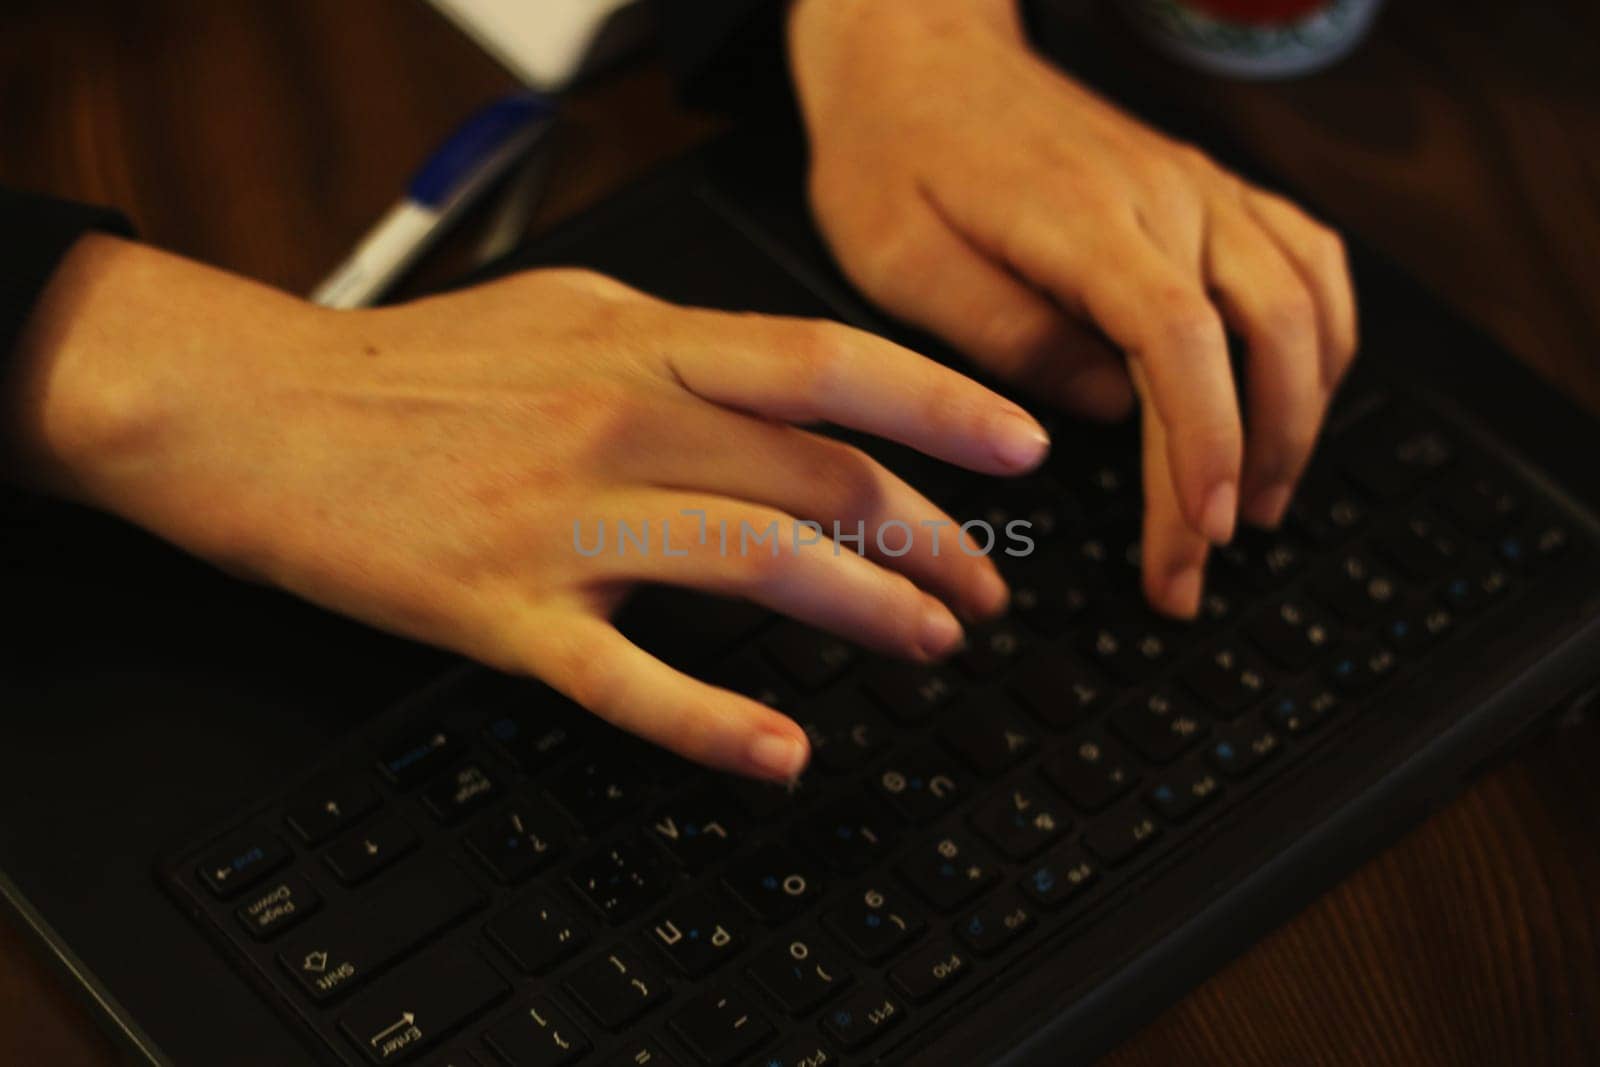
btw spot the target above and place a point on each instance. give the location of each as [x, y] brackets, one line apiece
[422, 467]
[974, 190]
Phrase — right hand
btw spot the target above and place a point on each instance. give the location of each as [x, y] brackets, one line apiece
[421, 467]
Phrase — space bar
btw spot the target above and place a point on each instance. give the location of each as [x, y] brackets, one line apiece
[343, 949]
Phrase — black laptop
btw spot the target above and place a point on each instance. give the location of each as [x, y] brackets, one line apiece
[256, 834]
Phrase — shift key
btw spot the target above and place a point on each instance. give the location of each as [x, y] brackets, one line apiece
[345, 947]
[421, 1002]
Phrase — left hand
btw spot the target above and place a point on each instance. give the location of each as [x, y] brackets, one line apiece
[974, 190]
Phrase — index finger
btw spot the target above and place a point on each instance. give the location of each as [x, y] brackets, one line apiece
[800, 370]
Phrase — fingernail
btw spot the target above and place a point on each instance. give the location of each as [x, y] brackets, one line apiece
[1020, 443]
[1268, 506]
[1220, 512]
[777, 756]
[1183, 591]
[992, 594]
[939, 633]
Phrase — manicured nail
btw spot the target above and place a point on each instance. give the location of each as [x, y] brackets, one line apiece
[992, 594]
[1268, 506]
[1183, 591]
[777, 756]
[1220, 512]
[939, 633]
[1020, 443]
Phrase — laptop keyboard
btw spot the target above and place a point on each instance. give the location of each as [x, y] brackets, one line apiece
[489, 876]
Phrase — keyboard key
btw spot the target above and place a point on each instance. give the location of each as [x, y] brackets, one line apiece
[616, 987]
[1292, 633]
[341, 949]
[748, 676]
[1467, 592]
[1362, 668]
[930, 970]
[809, 658]
[1259, 559]
[1240, 749]
[921, 784]
[1481, 503]
[536, 934]
[622, 880]
[1160, 725]
[909, 693]
[533, 739]
[1046, 594]
[363, 853]
[460, 793]
[421, 1001]
[773, 882]
[989, 742]
[1536, 546]
[698, 828]
[1178, 793]
[538, 1035]
[417, 755]
[874, 923]
[720, 1027]
[799, 1051]
[517, 843]
[861, 1019]
[699, 934]
[1021, 820]
[949, 870]
[596, 793]
[277, 906]
[1064, 873]
[1118, 836]
[1057, 690]
[1329, 512]
[996, 923]
[240, 861]
[1131, 653]
[640, 1052]
[1228, 679]
[853, 832]
[1416, 628]
[460, 1056]
[1419, 545]
[1356, 587]
[844, 729]
[990, 649]
[1091, 771]
[329, 805]
[799, 973]
[1390, 453]
[1302, 712]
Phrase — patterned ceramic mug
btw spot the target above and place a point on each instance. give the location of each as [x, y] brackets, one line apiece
[1256, 38]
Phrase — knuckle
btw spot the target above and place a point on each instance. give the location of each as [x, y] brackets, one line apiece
[815, 351]
[593, 682]
[1188, 323]
[1289, 319]
[848, 483]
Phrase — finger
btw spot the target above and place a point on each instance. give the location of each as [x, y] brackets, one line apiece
[802, 370]
[585, 658]
[733, 455]
[1318, 255]
[1172, 555]
[739, 549]
[1264, 300]
[931, 276]
[1163, 321]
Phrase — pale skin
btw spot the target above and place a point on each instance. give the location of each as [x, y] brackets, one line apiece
[421, 467]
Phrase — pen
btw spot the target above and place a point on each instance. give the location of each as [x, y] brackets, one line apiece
[477, 153]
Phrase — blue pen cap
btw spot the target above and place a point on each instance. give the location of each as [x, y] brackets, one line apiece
[480, 137]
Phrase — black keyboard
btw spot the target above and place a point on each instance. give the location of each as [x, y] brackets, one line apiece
[489, 876]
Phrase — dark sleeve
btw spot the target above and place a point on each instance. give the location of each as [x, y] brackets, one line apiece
[726, 54]
[35, 232]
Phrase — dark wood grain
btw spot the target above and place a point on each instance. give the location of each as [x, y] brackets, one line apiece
[1464, 139]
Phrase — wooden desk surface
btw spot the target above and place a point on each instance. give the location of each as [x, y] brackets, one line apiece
[1464, 139]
